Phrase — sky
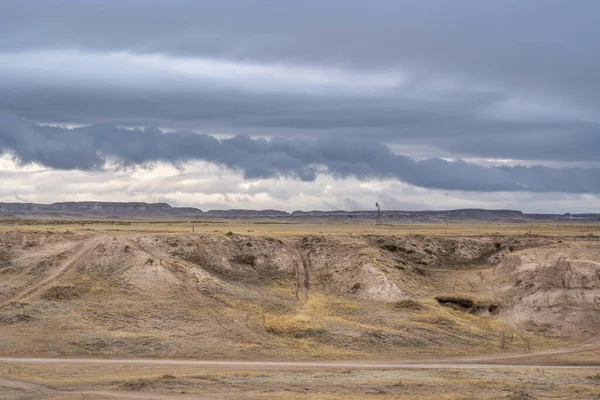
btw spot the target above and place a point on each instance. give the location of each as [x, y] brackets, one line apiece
[301, 105]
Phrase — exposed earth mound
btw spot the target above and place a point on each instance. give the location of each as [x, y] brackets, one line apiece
[224, 296]
[553, 289]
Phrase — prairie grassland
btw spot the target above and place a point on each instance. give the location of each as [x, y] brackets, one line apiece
[120, 381]
[417, 326]
[260, 228]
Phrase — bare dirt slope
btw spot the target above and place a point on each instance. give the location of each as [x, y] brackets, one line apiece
[260, 297]
[553, 289]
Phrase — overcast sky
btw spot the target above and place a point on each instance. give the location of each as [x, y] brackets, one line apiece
[335, 104]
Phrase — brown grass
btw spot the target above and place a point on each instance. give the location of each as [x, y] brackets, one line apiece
[296, 384]
[258, 228]
[408, 304]
[62, 292]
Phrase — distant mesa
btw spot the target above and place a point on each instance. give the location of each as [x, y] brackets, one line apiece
[163, 211]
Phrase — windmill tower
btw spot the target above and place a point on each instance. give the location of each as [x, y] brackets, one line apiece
[378, 219]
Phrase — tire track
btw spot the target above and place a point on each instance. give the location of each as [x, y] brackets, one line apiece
[87, 248]
[30, 388]
[482, 362]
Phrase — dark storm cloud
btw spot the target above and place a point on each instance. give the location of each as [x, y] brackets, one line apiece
[449, 121]
[546, 42]
[90, 147]
[514, 79]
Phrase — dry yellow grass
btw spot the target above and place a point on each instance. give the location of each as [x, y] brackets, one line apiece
[69, 381]
[257, 228]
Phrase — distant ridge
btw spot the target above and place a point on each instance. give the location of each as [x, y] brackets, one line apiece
[163, 211]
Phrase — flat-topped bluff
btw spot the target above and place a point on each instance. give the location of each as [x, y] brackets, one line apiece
[86, 209]
[141, 210]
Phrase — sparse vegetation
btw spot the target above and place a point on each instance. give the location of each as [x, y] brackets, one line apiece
[248, 259]
[595, 378]
[333, 296]
[4, 257]
[71, 381]
[62, 292]
[408, 304]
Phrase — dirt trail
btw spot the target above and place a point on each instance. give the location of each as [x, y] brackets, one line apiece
[15, 384]
[302, 269]
[470, 362]
[467, 362]
[41, 389]
[142, 395]
[87, 248]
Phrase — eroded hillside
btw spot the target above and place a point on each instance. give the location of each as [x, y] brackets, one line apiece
[234, 296]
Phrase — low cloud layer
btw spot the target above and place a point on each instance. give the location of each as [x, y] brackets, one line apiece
[92, 147]
[400, 105]
[207, 186]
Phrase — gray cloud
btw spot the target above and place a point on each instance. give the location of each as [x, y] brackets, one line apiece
[537, 43]
[465, 122]
[513, 79]
[91, 147]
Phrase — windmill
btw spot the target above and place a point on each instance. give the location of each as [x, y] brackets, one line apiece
[378, 219]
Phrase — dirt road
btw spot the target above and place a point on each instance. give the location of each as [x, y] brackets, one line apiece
[86, 248]
[447, 363]
[501, 362]
[41, 390]
[467, 362]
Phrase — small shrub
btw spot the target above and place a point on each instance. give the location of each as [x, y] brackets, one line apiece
[595, 378]
[15, 319]
[355, 288]
[406, 250]
[408, 304]
[389, 247]
[229, 233]
[443, 321]
[136, 384]
[484, 307]
[521, 394]
[61, 292]
[297, 326]
[4, 256]
[247, 259]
